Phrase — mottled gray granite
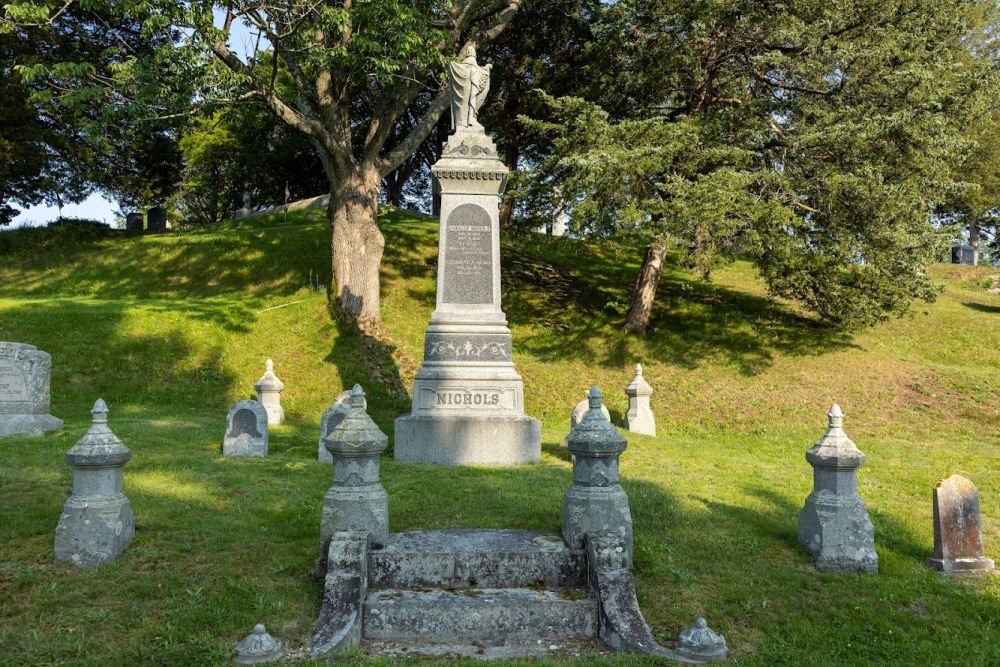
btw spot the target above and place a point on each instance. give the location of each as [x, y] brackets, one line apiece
[596, 502]
[258, 648]
[246, 430]
[96, 523]
[331, 417]
[834, 526]
[700, 643]
[25, 377]
[958, 531]
[345, 586]
[356, 500]
[581, 409]
[269, 389]
[639, 417]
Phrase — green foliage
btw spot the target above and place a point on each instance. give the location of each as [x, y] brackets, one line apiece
[816, 139]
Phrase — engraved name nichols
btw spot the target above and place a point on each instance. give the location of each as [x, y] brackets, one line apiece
[468, 398]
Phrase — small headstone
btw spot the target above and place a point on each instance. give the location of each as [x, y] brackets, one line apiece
[25, 373]
[269, 389]
[595, 502]
[958, 534]
[700, 643]
[156, 219]
[963, 254]
[356, 500]
[581, 409]
[246, 430]
[96, 522]
[134, 222]
[639, 418]
[331, 417]
[834, 526]
[258, 648]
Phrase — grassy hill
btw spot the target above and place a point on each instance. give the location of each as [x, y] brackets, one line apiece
[171, 329]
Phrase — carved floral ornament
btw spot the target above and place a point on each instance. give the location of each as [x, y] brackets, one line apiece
[469, 349]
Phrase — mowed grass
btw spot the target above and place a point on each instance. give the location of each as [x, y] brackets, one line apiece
[171, 329]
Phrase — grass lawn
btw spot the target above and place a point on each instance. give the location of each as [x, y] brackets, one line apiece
[171, 329]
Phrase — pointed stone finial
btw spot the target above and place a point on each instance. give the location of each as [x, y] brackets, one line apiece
[594, 398]
[638, 371]
[258, 647]
[100, 412]
[269, 368]
[358, 397]
[701, 643]
[836, 416]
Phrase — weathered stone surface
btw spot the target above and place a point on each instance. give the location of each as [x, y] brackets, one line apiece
[134, 222]
[639, 418]
[96, 523]
[700, 643]
[246, 430]
[487, 614]
[156, 219]
[834, 526]
[344, 590]
[269, 389]
[25, 375]
[258, 648]
[469, 558]
[958, 533]
[468, 400]
[581, 409]
[596, 502]
[331, 417]
[356, 500]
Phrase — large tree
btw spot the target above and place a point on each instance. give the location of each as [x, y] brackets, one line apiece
[814, 138]
[358, 68]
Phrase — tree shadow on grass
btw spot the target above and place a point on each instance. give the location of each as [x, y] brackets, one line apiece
[983, 307]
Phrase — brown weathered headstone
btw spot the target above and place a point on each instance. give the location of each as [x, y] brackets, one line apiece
[958, 534]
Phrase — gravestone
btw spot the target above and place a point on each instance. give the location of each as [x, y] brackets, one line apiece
[134, 222]
[834, 526]
[581, 409]
[25, 373]
[269, 389]
[156, 219]
[958, 533]
[331, 417]
[96, 522]
[639, 418]
[964, 254]
[246, 430]
[468, 400]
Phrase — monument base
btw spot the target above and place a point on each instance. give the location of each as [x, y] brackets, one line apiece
[27, 425]
[446, 440]
[959, 566]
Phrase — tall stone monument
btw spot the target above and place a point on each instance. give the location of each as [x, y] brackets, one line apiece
[269, 389]
[639, 418]
[25, 373]
[468, 401]
[958, 531]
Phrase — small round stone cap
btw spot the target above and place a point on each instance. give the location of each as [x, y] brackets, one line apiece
[594, 435]
[701, 643]
[258, 647]
[99, 446]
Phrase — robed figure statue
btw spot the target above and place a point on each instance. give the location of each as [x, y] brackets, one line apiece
[469, 85]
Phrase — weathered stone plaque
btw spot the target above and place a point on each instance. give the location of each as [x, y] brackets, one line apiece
[468, 256]
[958, 534]
[25, 373]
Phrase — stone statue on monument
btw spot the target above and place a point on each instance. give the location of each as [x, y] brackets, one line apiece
[469, 84]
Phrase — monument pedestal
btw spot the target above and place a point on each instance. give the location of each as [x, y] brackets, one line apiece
[468, 401]
[25, 373]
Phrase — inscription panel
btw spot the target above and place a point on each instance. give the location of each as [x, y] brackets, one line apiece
[461, 399]
[13, 388]
[467, 347]
[468, 256]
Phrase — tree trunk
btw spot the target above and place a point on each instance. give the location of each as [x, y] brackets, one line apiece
[974, 241]
[511, 155]
[644, 293]
[357, 245]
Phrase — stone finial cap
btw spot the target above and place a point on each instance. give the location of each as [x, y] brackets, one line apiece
[593, 435]
[99, 446]
[258, 647]
[835, 449]
[701, 643]
[356, 434]
[638, 386]
[269, 381]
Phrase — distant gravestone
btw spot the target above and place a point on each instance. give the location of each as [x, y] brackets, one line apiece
[269, 389]
[958, 534]
[963, 254]
[332, 416]
[639, 418]
[156, 219]
[834, 526]
[25, 373]
[246, 430]
[581, 409]
[134, 222]
[96, 522]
